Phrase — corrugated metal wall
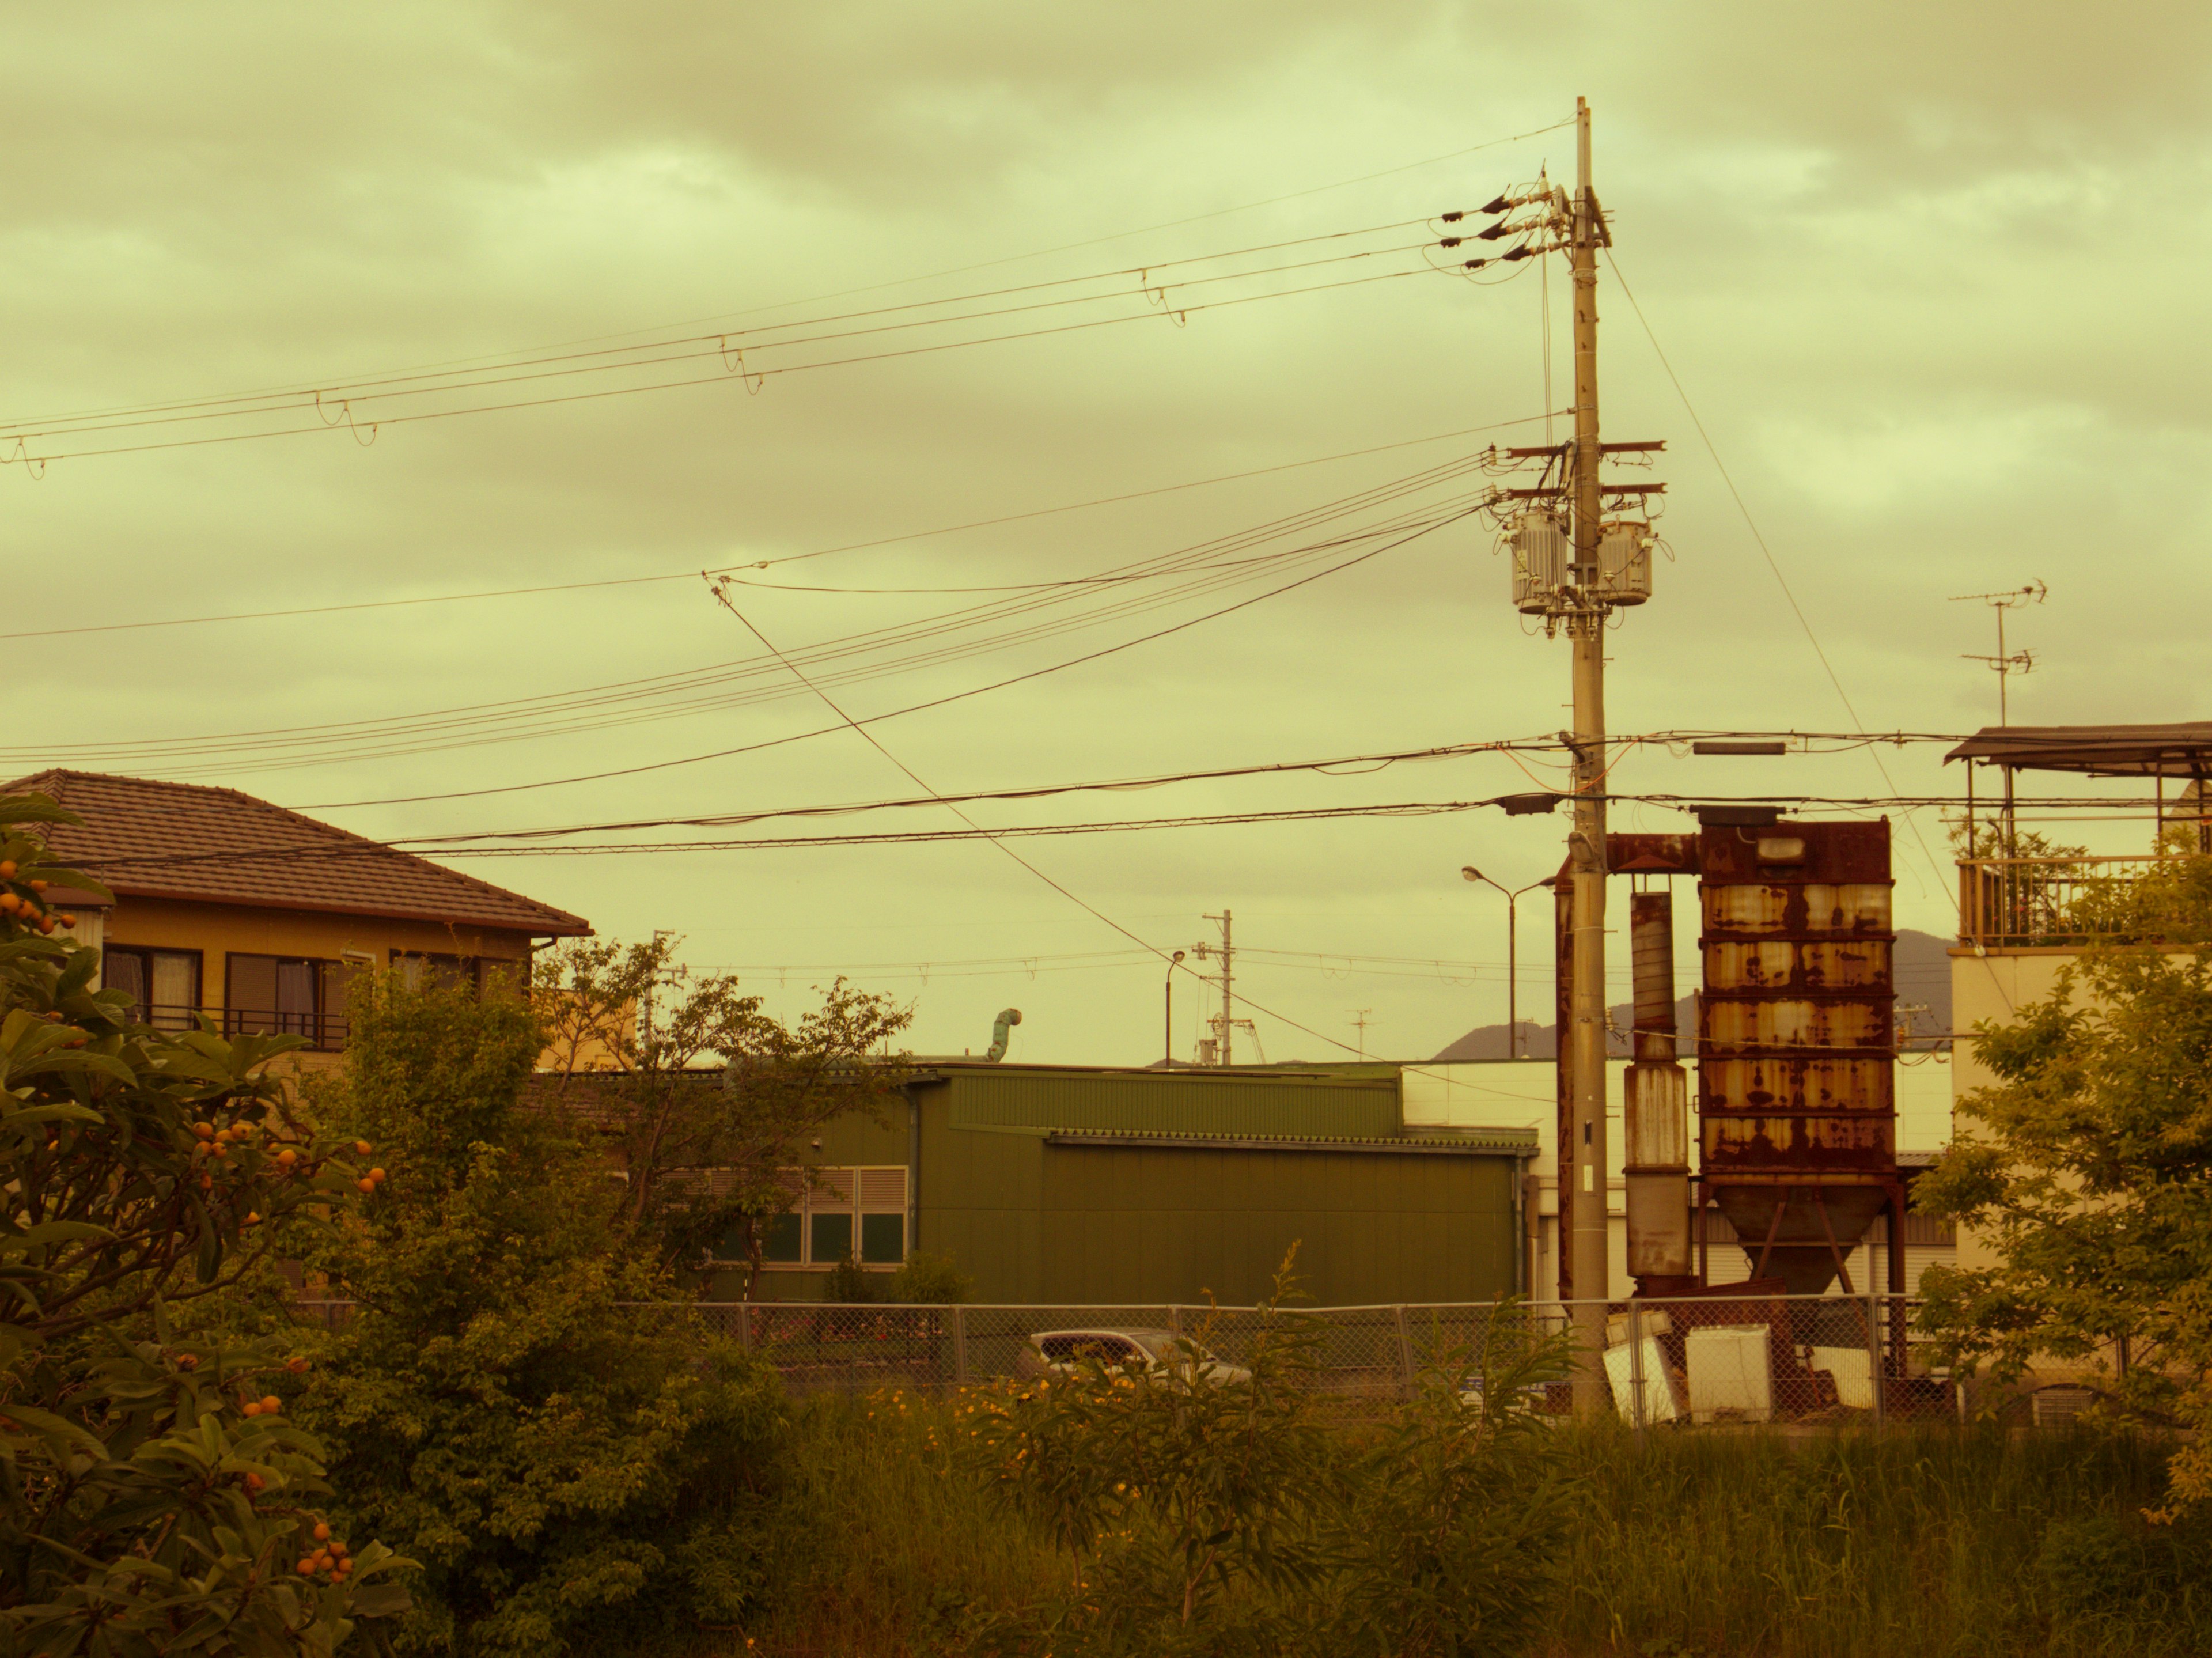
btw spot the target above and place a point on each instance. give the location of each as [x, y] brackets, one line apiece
[1143, 1224]
[1195, 1102]
[1040, 1223]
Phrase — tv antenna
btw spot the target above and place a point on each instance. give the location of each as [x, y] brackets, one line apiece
[2005, 663]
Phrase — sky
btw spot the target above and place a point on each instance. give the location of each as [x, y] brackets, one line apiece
[1931, 292]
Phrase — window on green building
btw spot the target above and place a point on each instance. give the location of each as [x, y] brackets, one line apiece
[883, 1240]
[782, 1245]
[831, 1212]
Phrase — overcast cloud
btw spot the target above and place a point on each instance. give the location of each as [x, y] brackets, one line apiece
[1933, 276]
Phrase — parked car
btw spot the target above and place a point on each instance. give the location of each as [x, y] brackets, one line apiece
[1058, 1352]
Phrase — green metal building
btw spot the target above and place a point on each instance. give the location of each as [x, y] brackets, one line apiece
[1065, 1185]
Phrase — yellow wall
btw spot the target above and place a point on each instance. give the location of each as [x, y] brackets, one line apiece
[216, 930]
[1993, 986]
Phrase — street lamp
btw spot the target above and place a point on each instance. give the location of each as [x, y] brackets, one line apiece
[1174, 962]
[1469, 872]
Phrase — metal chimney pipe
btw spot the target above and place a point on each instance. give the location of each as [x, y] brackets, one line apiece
[1655, 1110]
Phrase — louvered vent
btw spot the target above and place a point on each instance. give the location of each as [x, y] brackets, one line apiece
[882, 1190]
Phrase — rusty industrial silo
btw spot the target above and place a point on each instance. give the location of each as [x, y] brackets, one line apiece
[1797, 1116]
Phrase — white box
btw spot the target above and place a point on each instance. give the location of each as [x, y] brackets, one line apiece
[1731, 1373]
[1659, 1404]
[1853, 1371]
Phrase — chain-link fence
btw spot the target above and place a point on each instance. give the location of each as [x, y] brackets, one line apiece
[1709, 1359]
[1730, 1358]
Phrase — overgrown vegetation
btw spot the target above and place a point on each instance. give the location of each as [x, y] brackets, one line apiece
[520, 1394]
[2089, 1166]
[1937, 1542]
[154, 1495]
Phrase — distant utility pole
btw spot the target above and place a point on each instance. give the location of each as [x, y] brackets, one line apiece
[1572, 568]
[2018, 661]
[1359, 1020]
[664, 975]
[1224, 1023]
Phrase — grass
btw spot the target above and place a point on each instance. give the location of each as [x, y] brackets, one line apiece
[1939, 1543]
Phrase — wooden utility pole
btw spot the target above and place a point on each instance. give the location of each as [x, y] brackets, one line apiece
[1571, 570]
[1586, 841]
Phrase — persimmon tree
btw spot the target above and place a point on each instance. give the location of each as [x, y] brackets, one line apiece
[710, 1099]
[154, 1494]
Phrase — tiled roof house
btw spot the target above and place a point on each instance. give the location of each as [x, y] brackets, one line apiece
[260, 917]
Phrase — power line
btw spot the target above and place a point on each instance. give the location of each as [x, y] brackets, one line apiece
[914, 708]
[768, 563]
[306, 852]
[1772, 563]
[1369, 763]
[523, 368]
[958, 270]
[1184, 571]
[754, 376]
[914, 777]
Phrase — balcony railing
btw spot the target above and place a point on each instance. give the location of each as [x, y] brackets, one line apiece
[2025, 903]
[325, 1031]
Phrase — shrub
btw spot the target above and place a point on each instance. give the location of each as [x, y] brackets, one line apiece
[1208, 1509]
[928, 1280]
[520, 1395]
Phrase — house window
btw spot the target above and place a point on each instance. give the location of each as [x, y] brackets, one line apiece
[287, 995]
[164, 983]
[840, 1212]
[497, 976]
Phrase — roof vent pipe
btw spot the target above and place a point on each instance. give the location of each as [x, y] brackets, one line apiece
[1001, 1029]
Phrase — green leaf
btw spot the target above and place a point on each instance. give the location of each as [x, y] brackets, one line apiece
[379, 1600]
[37, 808]
[45, 1421]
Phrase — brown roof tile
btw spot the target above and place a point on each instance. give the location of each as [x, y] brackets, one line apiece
[184, 840]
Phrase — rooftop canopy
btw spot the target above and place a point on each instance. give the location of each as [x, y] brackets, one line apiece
[2184, 750]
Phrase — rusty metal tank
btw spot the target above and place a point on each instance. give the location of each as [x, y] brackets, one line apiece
[1797, 1115]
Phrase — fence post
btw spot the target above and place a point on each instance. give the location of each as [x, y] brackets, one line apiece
[1636, 1362]
[1874, 1353]
[745, 1325]
[959, 1346]
[1174, 1322]
[1405, 1354]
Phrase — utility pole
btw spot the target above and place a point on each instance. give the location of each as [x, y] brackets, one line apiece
[1572, 568]
[1586, 843]
[1174, 962]
[653, 981]
[1224, 1023]
[1359, 1019]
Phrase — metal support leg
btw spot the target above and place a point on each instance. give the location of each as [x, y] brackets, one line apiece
[1635, 1363]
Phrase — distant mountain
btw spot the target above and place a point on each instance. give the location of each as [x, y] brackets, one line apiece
[1922, 965]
